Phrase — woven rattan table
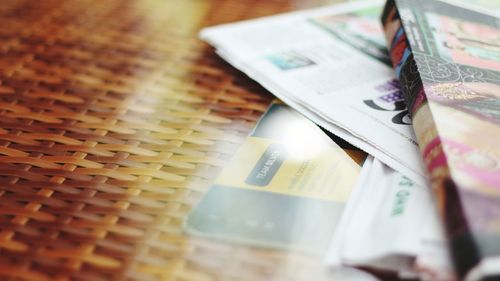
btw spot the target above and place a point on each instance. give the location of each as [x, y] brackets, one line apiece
[114, 121]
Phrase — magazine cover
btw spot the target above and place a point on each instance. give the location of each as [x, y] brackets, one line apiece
[447, 59]
[285, 187]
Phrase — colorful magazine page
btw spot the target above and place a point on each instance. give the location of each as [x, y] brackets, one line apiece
[447, 59]
[286, 187]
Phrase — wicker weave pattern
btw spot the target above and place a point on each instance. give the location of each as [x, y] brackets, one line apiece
[114, 120]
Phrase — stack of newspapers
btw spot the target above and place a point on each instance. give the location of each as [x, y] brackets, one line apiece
[416, 85]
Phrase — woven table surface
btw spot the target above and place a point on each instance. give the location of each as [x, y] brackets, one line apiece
[114, 121]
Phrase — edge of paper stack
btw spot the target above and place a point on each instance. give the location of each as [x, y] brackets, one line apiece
[330, 64]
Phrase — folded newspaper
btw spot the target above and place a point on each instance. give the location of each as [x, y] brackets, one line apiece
[331, 64]
[390, 223]
[333, 69]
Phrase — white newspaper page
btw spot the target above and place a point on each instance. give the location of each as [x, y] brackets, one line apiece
[330, 64]
[391, 223]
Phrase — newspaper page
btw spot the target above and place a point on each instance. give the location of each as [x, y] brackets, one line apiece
[332, 66]
[405, 235]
